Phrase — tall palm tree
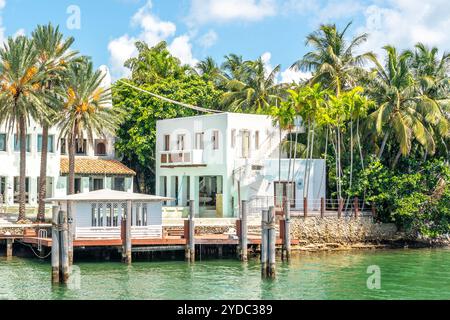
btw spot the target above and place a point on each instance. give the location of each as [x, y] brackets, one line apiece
[332, 60]
[86, 112]
[234, 67]
[53, 56]
[21, 97]
[256, 93]
[402, 111]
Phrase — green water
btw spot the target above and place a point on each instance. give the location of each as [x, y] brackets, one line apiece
[405, 274]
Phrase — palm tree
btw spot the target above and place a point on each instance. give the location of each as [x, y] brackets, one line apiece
[53, 56]
[86, 112]
[332, 61]
[310, 103]
[234, 67]
[284, 117]
[254, 94]
[402, 111]
[21, 98]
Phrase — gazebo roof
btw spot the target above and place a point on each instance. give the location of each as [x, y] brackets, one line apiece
[109, 195]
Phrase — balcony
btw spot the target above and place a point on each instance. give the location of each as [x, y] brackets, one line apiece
[182, 158]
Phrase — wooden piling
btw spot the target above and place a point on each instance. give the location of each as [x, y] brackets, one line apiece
[271, 235]
[55, 245]
[70, 231]
[264, 242]
[190, 233]
[286, 254]
[305, 207]
[356, 206]
[64, 270]
[243, 240]
[340, 206]
[374, 211]
[126, 253]
[322, 207]
[9, 248]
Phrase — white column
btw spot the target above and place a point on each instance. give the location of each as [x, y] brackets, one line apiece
[169, 190]
[10, 190]
[194, 192]
[84, 184]
[181, 190]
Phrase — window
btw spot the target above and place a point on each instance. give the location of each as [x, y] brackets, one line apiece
[63, 146]
[256, 140]
[180, 142]
[78, 185]
[2, 190]
[215, 139]
[80, 148]
[233, 138]
[17, 143]
[97, 214]
[119, 184]
[245, 143]
[199, 141]
[16, 189]
[2, 141]
[166, 142]
[96, 184]
[48, 188]
[100, 148]
[50, 140]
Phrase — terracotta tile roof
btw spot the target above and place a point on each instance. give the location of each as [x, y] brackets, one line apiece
[96, 166]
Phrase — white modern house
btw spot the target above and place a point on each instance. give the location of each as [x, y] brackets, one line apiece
[219, 159]
[95, 166]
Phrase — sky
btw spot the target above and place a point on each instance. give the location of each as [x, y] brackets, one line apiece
[106, 30]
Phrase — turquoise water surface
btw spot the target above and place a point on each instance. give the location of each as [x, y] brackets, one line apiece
[405, 274]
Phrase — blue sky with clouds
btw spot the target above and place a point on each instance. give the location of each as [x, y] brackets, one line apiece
[194, 29]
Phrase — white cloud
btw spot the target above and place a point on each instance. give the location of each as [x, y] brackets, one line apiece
[182, 49]
[319, 12]
[266, 57]
[20, 32]
[291, 75]
[204, 11]
[403, 23]
[152, 31]
[208, 39]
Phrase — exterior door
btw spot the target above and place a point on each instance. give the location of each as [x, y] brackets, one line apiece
[284, 189]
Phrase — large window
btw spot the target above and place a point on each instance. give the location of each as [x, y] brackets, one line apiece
[119, 184]
[48, 188]
[181, 142]
[2, 141]
[166, 142]
[16, 189]
[100, 148]
[17, 143]
[256, 140]
[96, 184]
[199, 141]
[80, 148]
[2, 190]
[50, 143]
[215, 139]
[63, 145]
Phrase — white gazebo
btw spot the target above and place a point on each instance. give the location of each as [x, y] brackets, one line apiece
[98, 214]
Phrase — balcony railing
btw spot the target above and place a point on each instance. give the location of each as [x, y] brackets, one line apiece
[182, 157]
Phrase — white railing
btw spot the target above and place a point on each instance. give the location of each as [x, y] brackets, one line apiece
[137, 232]
[181, 157]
